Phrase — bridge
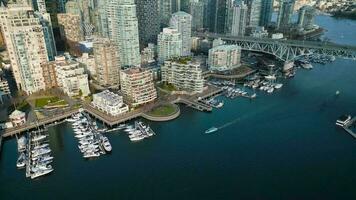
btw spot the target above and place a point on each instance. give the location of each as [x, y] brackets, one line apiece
[286, 50]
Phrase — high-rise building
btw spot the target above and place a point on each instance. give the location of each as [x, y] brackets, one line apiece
[148, 23]
[266, 12]
[285, 14]
[306, 17]
[254, 12]
[45, 20]
[209, 14]
[220, 15]
[137, 86]
[169, 44]
[107, 62]
[197, 12]
[26, 45]
[187, 76]
[100, 19]
[165, 11]
[123, 29]
[182, 21]
[71, 27]
[224, 57]
[236, 20]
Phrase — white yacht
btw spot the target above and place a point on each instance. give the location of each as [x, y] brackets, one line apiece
[106, 144]
[21, 144]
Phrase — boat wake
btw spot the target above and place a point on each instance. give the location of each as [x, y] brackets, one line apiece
[229, 123]
[214, 129]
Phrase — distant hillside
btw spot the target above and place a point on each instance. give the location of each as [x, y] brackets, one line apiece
[343, 14]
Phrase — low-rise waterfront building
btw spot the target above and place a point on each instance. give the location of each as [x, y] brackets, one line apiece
[17, 118]
[224, 57]
[183, 75]
[71, 77]
[110, 103]
[137, 86]
[49, 74]
[88, 62]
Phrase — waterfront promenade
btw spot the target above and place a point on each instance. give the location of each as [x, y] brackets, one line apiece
[189, 100]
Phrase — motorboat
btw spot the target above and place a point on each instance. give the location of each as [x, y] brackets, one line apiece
[21, 161]
[21, 144]
[37, 138]
[41, 146]
[40, 152]
[91, 155]
[278, 85]
[211, 130]
[41, 172]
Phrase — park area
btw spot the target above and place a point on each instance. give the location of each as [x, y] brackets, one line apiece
[163, 110]
[50, 101]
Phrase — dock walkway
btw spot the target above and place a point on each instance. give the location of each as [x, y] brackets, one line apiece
[42, 122]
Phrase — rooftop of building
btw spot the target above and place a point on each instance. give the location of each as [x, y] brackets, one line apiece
[227, 47]
[134, 70]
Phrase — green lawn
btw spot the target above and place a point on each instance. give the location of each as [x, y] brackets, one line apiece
[167, 86]
[164, 110]
[23, 106]
[50, 101]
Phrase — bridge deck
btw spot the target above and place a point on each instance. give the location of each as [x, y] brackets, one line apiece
[296, 43]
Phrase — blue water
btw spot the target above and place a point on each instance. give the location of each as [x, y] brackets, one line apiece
[284, 146]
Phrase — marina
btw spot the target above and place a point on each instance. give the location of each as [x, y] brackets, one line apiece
[34, 154]
[139, 131]
[91, 142]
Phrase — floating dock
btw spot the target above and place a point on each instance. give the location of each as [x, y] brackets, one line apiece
[0, 144]
[348, 125]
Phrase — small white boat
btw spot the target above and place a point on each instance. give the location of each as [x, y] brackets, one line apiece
[270, 90]
[91, 155]
[278, 85]
[71, 120]
[41, 172]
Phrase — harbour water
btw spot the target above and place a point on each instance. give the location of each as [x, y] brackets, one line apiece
[285, 145]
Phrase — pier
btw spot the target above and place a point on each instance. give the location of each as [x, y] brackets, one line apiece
[347, 127]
